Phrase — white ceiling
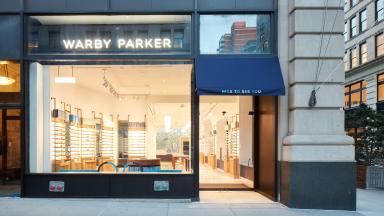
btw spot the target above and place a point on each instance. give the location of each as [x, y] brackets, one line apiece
[115, 19]
[166, 85]
[163, 79]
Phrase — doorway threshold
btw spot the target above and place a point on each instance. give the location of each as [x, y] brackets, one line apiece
[240, 197]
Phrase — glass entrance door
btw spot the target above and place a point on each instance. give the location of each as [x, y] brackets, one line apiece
[10, 152]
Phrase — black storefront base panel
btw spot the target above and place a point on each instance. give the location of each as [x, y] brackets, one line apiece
[110, 186]
[318, 185]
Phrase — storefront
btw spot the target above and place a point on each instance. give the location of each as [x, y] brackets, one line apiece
[114, 96]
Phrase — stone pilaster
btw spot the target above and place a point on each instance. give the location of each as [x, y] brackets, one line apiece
[317, 160]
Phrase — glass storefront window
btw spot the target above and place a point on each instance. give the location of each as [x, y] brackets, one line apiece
[10, 161]
[9, 82]
[133, 118]
[103, 34]
[235, 34]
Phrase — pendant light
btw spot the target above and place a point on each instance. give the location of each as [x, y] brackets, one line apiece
[64, 80]
[6, 80]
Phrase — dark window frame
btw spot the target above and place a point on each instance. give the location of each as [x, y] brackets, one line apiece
[351, 58]
[377, 45]
[363, 22]
[377, 11]
[346, 5]
[361, 53]
[351, 28]
[54, 40]
[353, 3]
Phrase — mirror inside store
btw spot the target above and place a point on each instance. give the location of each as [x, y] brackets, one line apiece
[131, 118]
[225, 142]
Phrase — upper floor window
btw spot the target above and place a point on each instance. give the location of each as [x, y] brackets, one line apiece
[345, 31]
[345, 5]
[379, 6]
[380, 88]
[235, 34]
[353, 27]
[380, 44]
[355, 94]
[178, 36]
[363, 20]
[354, 2]
[54, 40]
[363, 52]
[346, 68]
[353, 58]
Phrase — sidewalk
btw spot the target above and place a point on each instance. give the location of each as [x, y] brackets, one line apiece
[369, 203]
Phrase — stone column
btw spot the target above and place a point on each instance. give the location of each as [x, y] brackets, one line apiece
[317, 159]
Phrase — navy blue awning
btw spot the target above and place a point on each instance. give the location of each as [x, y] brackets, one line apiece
[220, 75]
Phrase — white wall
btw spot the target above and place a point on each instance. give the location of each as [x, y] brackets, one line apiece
[36, 118]
[246, 132]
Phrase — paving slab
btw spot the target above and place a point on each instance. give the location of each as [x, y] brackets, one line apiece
[369, 203]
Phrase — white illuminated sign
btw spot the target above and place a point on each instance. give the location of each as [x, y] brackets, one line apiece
[97, 44]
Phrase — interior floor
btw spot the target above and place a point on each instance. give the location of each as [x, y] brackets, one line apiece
[217, 179]
[10, 188]
[242, 197]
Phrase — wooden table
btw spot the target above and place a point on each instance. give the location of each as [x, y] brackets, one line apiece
[183, 158]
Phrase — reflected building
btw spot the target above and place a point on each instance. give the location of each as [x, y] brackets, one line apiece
[240, 40]
[263, 34]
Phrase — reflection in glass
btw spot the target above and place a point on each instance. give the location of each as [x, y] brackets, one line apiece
[346, 101]
[355, 99]
[235, 34]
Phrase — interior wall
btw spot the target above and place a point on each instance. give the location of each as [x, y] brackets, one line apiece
[246, 131]
[36, 132]
[80, 97]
